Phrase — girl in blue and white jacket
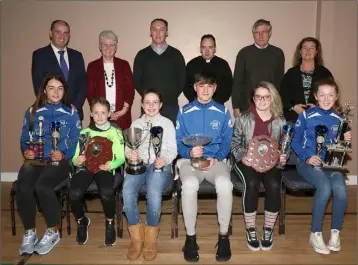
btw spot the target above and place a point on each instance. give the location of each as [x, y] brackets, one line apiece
[39, 181]
[327, 182]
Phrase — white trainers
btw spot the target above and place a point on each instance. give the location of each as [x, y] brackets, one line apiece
[334, 243]
[318, 244]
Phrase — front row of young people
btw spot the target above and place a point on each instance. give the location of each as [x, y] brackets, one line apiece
[202, 116]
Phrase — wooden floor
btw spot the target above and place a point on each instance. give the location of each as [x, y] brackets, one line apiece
[291, 248]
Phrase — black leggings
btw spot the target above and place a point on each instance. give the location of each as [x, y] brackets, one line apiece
[79, 184]
[251, 180]
[40, 180]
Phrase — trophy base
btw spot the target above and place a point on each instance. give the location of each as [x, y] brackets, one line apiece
[135, 170]
[37, 162]
[199, 163]
[335, 168]
[158, 170]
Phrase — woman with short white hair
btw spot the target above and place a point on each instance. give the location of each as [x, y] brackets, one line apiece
[112, 78]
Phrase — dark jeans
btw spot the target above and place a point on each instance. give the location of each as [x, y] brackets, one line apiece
[40, 180]
[327, 183]
[251, 180]
[79, 184]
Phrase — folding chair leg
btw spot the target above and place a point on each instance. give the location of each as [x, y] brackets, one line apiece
[282, 215]
[230, 226]
[174, 226]
[68, 213]
[60, 214]
[12, 208]
[85, 206]
[120, 222]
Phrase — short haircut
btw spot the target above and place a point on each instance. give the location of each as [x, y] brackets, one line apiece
[261, 22]
[103, 101]
[161, 20]
[59, 21]
[208, 36]
[149, 91]
[205, 77]
[108, 34]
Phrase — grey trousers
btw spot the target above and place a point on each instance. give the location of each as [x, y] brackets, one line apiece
[219, 176]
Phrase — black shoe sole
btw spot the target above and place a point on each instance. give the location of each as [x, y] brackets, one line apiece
[223, 259]
[191, 260]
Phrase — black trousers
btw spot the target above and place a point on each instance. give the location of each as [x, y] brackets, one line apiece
[40, 181]
[272, 183]
[170, 112]
[79, 184]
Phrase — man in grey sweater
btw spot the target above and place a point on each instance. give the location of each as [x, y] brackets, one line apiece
[258, 62]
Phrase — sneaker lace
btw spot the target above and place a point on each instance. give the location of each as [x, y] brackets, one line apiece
[26, 239]
[319, 239]
[334, 236]
[267, 234]
[47, 236]
[253, 234]
[109, 229]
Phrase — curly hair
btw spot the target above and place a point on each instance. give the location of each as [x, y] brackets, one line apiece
[318, 59]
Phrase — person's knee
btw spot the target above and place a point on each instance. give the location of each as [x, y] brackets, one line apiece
[75, 194]
[190, 185]
[42, 188]
[251, 185]
[223, 186]
[107, 194]
[324, 189]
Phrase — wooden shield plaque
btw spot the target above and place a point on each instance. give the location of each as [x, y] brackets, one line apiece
[98, 152]
[263, 153]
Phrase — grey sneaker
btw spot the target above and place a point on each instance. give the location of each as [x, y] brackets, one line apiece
[29, 239]
[47, 242]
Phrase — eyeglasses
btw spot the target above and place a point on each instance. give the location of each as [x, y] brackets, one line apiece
[259, 98]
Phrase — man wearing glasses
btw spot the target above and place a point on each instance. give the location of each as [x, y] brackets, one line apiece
[258, 62]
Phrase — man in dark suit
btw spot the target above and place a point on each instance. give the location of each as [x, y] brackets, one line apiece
[57, 58]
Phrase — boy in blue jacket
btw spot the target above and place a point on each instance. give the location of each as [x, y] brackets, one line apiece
[204, 116]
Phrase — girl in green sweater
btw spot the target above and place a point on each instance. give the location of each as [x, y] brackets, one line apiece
[103, 175]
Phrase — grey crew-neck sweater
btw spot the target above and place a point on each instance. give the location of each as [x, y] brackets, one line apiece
[252, 66]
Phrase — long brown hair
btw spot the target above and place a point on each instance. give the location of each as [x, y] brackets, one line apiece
[337, 107]
[318, 59]
[41, 98]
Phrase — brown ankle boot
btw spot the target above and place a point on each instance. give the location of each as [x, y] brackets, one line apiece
[150, 242]
[136, 233]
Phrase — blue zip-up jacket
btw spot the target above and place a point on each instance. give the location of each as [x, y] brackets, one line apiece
[70, 128]
[304, 140]
[211, 119]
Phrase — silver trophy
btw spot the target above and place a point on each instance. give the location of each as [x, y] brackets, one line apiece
[83, 140]
[156, 136]
[337, 150]
[285, 143]
[133, 138]
[55, 128]
[40, 142]
[198, 140]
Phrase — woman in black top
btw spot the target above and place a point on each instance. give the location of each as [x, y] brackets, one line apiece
[295, 89]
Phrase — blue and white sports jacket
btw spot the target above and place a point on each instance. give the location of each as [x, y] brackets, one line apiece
[304, 140]
[211, 119]
[70, 128]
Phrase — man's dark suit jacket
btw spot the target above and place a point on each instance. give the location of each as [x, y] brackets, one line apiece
[45, 61]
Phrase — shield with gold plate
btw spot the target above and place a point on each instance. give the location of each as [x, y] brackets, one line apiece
[98, 152]
[263, 153]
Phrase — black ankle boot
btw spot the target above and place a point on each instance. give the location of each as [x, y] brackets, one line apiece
[224, 251]
[190, 249]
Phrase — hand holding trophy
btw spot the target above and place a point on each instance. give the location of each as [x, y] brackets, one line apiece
[194, 141]
[286, 138]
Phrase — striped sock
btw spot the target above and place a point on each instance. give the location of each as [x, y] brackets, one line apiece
[270, 219]
[250, 220]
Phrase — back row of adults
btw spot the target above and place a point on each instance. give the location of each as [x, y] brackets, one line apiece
[162, 66]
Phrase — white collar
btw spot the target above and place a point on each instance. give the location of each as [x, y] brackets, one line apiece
[56, 50]
[257, 46]
[104, 127]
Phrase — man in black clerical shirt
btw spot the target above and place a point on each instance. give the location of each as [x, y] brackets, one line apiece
[209, 61]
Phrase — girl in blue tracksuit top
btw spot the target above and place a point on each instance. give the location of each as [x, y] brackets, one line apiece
[50, 106]
[326, 182]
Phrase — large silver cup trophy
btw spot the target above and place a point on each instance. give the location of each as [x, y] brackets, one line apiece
[134, 138]
[198, 140]
[337, 150]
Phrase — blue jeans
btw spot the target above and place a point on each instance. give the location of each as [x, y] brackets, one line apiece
[156, 183]
[326, 183]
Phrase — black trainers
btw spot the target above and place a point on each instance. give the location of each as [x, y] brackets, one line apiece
[110, 238]
[267, 241]
[82, 230]
[190, 249]
[224, 251]
[251, 238]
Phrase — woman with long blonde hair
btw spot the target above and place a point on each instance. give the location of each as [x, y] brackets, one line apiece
[264, 117]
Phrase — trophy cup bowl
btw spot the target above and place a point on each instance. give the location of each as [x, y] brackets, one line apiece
[133, 139]
[286, 138]
[156, 136]
[198, 140]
